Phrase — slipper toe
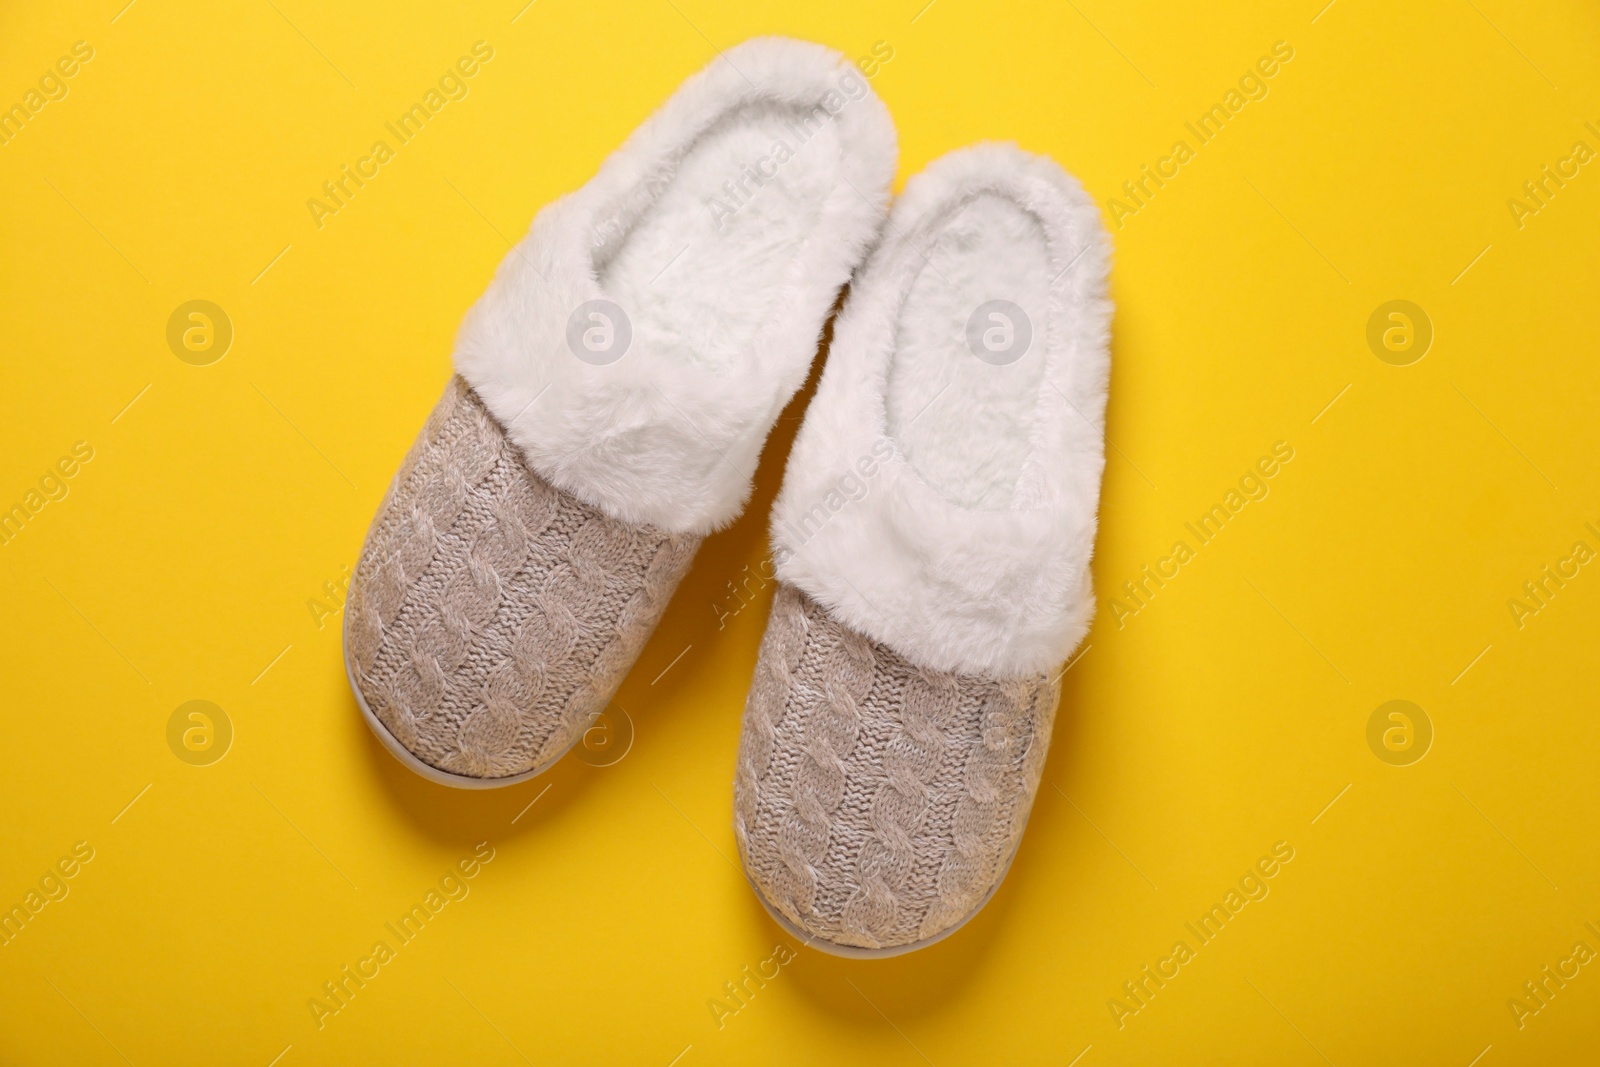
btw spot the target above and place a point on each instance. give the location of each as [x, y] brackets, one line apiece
[492, 615]
[878, 804]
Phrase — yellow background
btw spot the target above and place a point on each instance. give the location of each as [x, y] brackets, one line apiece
[1223, 717]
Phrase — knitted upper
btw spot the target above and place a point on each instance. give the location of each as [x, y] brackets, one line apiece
[878, 804]
[492, 616]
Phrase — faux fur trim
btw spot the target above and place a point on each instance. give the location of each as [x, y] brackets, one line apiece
[999, 590]
[670, 433]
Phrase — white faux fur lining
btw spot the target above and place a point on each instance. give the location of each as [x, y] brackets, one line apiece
[723, 229]
[968, 553]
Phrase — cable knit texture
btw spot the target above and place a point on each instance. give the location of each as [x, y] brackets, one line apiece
[492, 616]
[877, 804]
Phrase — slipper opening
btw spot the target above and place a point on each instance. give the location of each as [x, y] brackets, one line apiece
[702, 264]
[969, 359]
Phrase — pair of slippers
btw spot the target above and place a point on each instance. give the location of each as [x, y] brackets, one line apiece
[613, 391]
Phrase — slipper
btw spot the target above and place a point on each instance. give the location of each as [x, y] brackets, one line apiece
[932, 542]
[614, 387]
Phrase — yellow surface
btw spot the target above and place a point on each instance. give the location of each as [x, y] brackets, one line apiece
[188, 558]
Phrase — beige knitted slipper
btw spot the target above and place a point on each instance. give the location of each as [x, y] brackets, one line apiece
[614, 388]
[932, 542]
